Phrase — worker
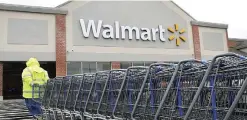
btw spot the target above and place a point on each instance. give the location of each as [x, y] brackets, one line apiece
[33, 75]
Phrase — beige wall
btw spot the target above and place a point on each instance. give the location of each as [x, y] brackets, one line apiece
[74, 53]
[19, 52]
[213, 34]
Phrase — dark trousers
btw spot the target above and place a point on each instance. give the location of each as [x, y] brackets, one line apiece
[33, 107]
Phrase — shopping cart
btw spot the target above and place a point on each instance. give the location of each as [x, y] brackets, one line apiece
[152, 90]
[96, 93]
[181, 89]
[129, 92]
[38, 91]
[74, 88]
[60, 88]
[84, 91]
[46, 98]
[110, 94]
[41, 94]
[220, 90]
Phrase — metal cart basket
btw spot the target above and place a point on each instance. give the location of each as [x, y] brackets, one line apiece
[223, 84]
[73, 91]
[152, 90]
[181, 89]
[129, 91]
[84, 92]
[38, 91]
[96, 92]
[46, 97]
[110, 94]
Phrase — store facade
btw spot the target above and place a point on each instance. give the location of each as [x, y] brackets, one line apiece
[93, 36]
[121, 34]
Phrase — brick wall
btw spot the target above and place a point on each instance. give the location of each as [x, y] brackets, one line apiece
[196, 42]
[1, 79]
[230, 43]
[60, 45]
[115, 65]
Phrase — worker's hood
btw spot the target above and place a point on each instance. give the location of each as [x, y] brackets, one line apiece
[32, 62]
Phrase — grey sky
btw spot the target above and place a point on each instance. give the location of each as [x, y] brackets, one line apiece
[231, 12]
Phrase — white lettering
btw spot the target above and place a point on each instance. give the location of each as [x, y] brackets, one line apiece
[108, 31]
[117, 29]
[146, 34]
[131, 30]
[162, 31]
[91, 25]
[154, 31]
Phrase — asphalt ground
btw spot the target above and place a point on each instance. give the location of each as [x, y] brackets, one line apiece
[14, 110]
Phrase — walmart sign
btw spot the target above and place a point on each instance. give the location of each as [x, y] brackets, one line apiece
[118, 31]
[109, 31]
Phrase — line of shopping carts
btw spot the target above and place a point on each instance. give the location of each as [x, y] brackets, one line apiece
[189, 90]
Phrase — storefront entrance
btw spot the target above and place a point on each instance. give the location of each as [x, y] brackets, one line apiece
[12, 82]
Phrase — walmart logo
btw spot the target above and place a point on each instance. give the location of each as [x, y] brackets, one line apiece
[176, 34]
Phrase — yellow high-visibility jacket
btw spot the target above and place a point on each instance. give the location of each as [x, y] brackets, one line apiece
[33, 74]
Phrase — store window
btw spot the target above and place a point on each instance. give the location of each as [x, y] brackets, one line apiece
[138, 63]
[89, 67]
[125, 65]
[101, 66]
[73, 68]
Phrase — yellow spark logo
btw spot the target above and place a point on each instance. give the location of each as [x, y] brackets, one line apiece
[173, 36]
